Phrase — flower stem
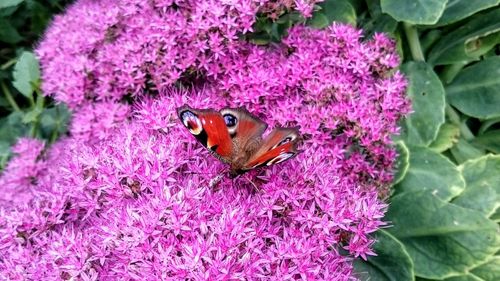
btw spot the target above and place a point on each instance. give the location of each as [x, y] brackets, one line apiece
[40, 102]
[455, 119]
[413, 42]
[55, 132]
[450, 71]
[9, 97]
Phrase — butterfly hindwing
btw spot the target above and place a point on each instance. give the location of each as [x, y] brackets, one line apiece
[278, 146]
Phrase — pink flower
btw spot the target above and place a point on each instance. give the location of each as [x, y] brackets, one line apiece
[128, 196]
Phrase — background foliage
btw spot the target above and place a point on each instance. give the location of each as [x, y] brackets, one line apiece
[23, 109]
[444, 208]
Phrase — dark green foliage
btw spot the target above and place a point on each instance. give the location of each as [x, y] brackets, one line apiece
[24, 112]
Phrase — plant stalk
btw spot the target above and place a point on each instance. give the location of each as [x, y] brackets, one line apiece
[413, 42]
[9, 97]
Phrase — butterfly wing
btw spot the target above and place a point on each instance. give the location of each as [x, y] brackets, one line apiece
[209, 128]
[245, 130]
[278, 146]
[234, 136]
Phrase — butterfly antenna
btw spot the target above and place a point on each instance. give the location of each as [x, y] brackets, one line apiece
[215, 181]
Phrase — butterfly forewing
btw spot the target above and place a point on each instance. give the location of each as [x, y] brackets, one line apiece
[246, 130]
[209, 128]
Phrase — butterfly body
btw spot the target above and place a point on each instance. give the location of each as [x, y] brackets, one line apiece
[235, 136]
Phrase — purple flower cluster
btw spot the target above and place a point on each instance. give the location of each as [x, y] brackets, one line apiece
[119, 48]
[131, 195]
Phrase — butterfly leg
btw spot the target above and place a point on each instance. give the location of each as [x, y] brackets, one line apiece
[215, 181]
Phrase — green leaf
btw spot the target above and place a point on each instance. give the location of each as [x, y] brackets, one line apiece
[427, 95]
[475, 89]
[26, 74]
[452, 47]
[402, 162]
[442, 239]
[12, 127]
[460, 9]
[496, 216]
[482, 178]
[414, 11]
[489, 141]
[463, 151]
[32, 115]
[9, 3]
[447, 136]
[8, 33]
[339, 11]
[488, 124]
[489, 270]
[477, 47]
[433, 172]
[260, 39]
[378, 22]
[318, 20]
[465, 277]
[54, 121]
[391, 263]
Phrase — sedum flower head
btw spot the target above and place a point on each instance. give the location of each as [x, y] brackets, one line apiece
[131, 195]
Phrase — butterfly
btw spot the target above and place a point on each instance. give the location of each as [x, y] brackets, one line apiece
[234, 136]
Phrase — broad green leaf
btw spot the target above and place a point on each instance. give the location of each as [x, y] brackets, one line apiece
[460, 9]
[489, 270]
[12, 127]
[452, 47]
[443, 239]
[402, 162]
[382, 23]
[54, 119]
[465, 277]
[378, 22]
[447, 136]
[391, 263]
[339, 11]
[489, 141]
[318, 20]
[487, 124]
[8, 33]
[433, 172]
[32, 115]
[463, 151]
[477, 47]
[26, 74]
[358, 4]
[475, 90]
[414, 11]
[333, 11]
[496, 216]
[482, 178]
[9, 3]
[427, 95]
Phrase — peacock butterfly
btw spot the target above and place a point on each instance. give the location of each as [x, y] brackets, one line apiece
[234, 136]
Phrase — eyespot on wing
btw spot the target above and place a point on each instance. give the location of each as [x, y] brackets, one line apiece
[191, 121]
